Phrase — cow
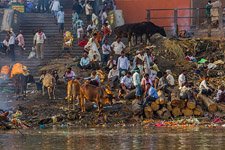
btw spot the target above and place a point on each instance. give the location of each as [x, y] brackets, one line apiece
[20, 83]
[75, 92]
[49, 82]
[94, 94]
[138, 30]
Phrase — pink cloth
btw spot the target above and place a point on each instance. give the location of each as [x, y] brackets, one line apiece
[20, 40]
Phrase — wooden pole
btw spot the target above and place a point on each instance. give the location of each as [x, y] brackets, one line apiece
[176, 22]
[148, 17]
[197, 18]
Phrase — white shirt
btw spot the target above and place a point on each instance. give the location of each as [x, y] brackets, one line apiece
[181, 80]
[170, 79]
[12, 40]
[153, 75]
[118, 47]
[203, 85]
[88, 9]
[93, 46]
[5, 43]
[127, 81]
[39, 37]
[91, 27]
[55, 6]
[94, 19]
[136, 79]
[106, 49]
[113, 73]
[104, 16]
[123, 63]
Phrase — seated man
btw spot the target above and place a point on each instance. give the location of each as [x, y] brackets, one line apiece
[111, 62]
[84, 62]
[144, 82]
[126, 83]
[186, 92]
[163, 86]
[151, 94]
[220, 95]
[203, 87]
[113, 76]
[95, 61]
[94, 79]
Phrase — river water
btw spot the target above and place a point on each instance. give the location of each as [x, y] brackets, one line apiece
[115, 139]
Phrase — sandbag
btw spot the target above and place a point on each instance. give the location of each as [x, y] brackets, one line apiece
[5, 70]
[17, 69]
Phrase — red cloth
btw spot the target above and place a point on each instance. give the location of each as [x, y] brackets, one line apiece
[82, 43]
[106, 30]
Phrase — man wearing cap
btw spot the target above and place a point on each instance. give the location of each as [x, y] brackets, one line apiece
[137, 83]
[123, 63]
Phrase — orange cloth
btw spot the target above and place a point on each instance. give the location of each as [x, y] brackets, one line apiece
[17, 69]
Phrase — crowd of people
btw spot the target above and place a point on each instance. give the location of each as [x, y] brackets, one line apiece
[139, 72]
[9, 43]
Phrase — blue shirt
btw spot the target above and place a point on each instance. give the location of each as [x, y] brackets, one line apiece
[60, 17]
[153, 93]
[84, 61]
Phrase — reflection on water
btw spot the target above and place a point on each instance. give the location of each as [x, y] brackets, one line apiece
[116, 138]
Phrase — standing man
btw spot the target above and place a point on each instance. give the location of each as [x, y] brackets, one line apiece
[55, 6]
[69, 77]
[208, 16]
[39, 41]
[20, 39]
[106, 50]
[88, 11]
[208, 8]
[60, 20]
[123, 63]
[12, 45]
[79, 26]
[117, 47]
[41, 6]
[137, 83]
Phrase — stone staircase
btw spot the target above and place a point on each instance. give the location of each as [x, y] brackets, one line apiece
[67, 5]
[53, 47]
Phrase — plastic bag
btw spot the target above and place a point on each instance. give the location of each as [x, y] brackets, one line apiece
[32, 53]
